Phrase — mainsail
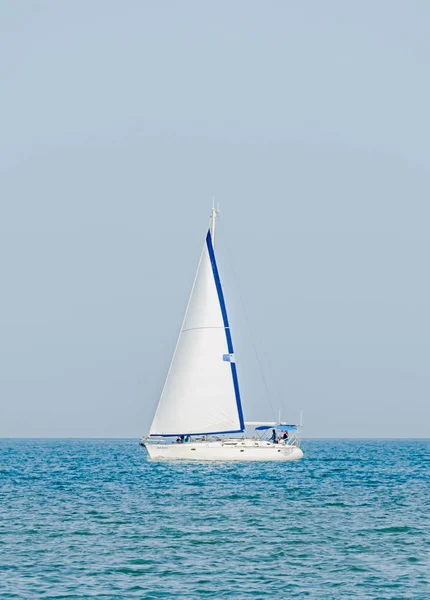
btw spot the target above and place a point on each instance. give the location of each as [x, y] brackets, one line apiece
[201, 392]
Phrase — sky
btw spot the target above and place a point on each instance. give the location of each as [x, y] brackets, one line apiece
[309, 123]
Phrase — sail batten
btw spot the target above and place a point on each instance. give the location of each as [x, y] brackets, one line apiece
[193, 328]
[201, 393]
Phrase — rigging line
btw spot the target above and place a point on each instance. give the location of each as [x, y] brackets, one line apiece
[254, 347]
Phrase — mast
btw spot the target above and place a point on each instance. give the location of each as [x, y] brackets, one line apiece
[214, 214]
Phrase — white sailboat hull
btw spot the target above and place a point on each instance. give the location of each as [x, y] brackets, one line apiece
[223, 450]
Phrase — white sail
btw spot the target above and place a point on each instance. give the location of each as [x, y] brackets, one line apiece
[201, 392]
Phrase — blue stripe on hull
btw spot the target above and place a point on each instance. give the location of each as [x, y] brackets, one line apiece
[227, 332]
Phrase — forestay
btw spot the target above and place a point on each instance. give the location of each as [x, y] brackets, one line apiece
[201, 392]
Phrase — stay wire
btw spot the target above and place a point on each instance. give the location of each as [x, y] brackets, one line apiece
[249, 331]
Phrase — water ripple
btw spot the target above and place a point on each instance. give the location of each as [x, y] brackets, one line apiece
[96, 519]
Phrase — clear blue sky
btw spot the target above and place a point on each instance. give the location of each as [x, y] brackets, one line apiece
[309, 122]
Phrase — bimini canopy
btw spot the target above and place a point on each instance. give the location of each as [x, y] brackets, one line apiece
[282, 427]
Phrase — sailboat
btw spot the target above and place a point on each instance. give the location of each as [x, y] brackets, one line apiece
[199, 415]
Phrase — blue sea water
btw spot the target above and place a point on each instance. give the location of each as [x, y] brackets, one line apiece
[96, 519]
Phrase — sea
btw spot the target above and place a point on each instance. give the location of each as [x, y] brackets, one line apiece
[95, 518]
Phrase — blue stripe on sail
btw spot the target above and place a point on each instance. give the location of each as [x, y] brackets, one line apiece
[204, 433]
[226, 329]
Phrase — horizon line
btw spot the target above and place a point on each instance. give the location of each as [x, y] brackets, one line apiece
[139, 437]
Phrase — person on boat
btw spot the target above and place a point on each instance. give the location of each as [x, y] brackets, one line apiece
[285, 435]
[274, 439]
[178, 440]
